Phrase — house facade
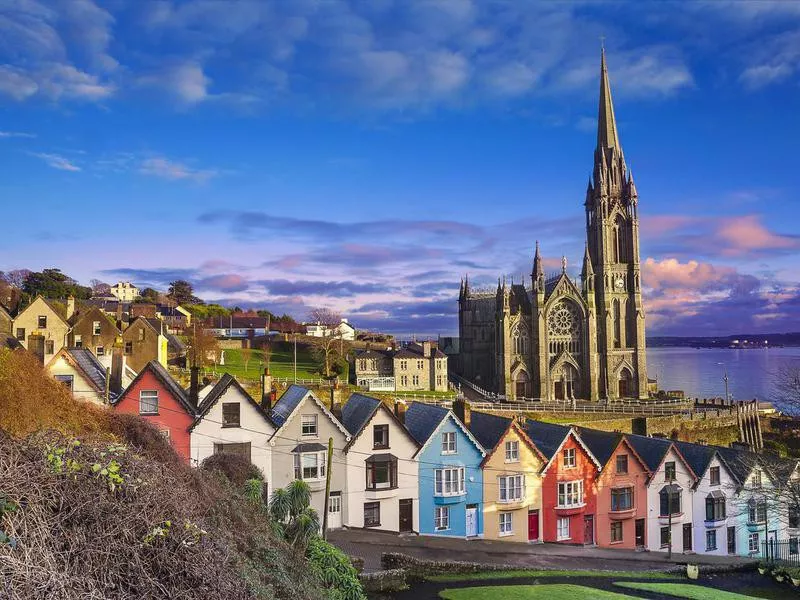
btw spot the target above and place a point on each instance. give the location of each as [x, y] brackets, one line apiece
[300, 449]
[81, 373]
[41, 329]
[124, 291]
[450, 474]
[144, 341]
[156, 397]
[758, 510]
[6, 322]
[420, 367]
[382, 475]
[230, 421]
[94, 330]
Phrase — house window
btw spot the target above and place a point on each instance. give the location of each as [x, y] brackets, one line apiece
[100, 351]
[669, 471]
[128, 348]
[49, 347]
[362, 364]
[794, 517]
[512, 451]
[449, 442]
[715, 507]
[665, 537]
[309, 425]
[21, 334]
[415, 380]
[309, 465]
[622, 499]
[622, 464]
[449, 482]
[403, 379]
[570, 493]
[381, 472]
[96, 327]
[793, 546]
[42, 322]
[711, 539]
[231, 416]
[380, 436]
[511, 487]
[372, 514]
[66, 380]
[713, 475]
[757, 511]
[335, 502]
[242, 449]
[441, 518]
[141, 334]
[506, 523]
[79, 341]
[752, 542]
[670, 498]
[616, 531]
[438, 380]
[569, 458]
[420, 365]
[148, 402]
[756, 478]
[562, 528]
[403, 365]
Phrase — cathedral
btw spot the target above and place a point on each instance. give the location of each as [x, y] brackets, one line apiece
[564, 339]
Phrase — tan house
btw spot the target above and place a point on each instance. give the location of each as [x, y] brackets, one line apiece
[41, 328]
[6, 322]
[144, 340]
[94, 330]
[420, 367]
[125, 291]
[374, 369]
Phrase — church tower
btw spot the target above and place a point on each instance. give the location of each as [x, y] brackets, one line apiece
[612, 231]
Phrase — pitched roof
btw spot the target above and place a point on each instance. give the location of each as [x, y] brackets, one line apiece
[600, 443]
[168, 382]
[58, 310]
[422, 420]
[547, 436]
[87, 362]
[488, 429]
[697, 455]
[372, 353]
[415, 350]
[651, 450]
[10, 342]
[288, 401]
[357, 412]
[91, 311]
[217, 391]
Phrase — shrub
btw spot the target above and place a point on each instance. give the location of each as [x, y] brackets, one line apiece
[333, 568]
[236, 468]
[144, 437]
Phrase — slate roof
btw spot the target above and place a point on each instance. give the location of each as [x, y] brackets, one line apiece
[781, 467]
[174, 344]
[156, 324]
[520, 301]
[293, 395]
[10, 342]
[217, 391]
[423, 419]
[88, 363]
[416, 351]
[651, 450]
[546, 436]
[600, 443]
[357, 412]
[488, 429]
[697, 455]
[372, 353]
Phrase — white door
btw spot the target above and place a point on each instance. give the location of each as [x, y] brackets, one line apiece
[335, 510]
[472, 522]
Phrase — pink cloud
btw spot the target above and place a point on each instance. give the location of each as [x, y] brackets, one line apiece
[670, 273]
[746, 234]
[229, 282]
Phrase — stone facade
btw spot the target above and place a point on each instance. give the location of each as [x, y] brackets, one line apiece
[561, 338]
[417, 367]
[41, 329]
[93, 330]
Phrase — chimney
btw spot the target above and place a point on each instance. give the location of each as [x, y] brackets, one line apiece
[400, 410]
[70, 307]
[463, 411]
[741, 446]
[266, 390]
[194, 388]
[119, 315]
[36, 346]
[117, 367]
[426, 349]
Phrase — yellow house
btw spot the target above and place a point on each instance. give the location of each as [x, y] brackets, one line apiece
[512, 486]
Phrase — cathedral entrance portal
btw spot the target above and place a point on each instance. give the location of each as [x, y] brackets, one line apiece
[566, 385]
[521, 385]
[625, 384]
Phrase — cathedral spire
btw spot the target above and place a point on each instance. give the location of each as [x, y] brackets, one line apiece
[607, 137]
[588, 270]
[538, 270]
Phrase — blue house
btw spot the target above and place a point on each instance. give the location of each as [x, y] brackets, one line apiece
[450, 475]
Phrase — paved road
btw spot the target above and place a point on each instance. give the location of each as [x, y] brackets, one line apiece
[370, 545]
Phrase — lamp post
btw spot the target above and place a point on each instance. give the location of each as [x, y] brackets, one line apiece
[725, 379]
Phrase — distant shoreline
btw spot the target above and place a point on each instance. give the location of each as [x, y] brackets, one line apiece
[732, 342]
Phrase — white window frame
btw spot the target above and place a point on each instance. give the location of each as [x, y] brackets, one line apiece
[320, 460]
[512, 451]
[506, 524]
[711, 533]
[146, 398]
[78, 341]
[96, 329]
[449, 481]
[510, 488]
[441, 518]
[562, 529]
[335, 503]
[449, 442]
[309, 421]
[415, 380]
[570, 494]
[570, 458]
[753, 537]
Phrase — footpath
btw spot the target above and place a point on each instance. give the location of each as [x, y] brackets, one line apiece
[370, 545]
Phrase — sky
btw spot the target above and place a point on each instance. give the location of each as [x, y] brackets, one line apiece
[366, 155]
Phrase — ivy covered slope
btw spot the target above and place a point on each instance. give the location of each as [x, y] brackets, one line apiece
[96, 505]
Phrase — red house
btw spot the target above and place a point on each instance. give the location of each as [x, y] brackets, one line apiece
[156, 396]
[569, 495]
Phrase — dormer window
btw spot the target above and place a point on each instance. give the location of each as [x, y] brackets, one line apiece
[622, 464]
[42, 322]
[757, 479]
[380, 436]
[512, 451]
[669, 470]
[309, 426]
[713, 475]
[231, 416]
[95, 327]
[569, 458]
[449, 442]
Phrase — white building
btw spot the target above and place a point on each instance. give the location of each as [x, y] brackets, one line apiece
[382, 475]
[344, 330]
[231, 421]
[124, 291]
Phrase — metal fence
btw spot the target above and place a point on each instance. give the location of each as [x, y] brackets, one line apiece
[786, 552]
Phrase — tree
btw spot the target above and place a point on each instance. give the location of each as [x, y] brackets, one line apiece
[182, 292]
[329, 348]
[290, 509]
[786, 387]
[10, 295]
[247, 354]
[148, 296]
[267, 354]
[100, 288]
[202, 348]
[52, 283]
[16, 277]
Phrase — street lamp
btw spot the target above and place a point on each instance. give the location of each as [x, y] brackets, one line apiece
[725, 379]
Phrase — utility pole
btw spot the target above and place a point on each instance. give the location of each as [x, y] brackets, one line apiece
[295, 357]
[669, 510]
[327, 490]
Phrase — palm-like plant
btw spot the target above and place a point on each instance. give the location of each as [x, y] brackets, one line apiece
[292, 514]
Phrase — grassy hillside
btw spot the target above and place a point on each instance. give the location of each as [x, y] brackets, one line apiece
[281, 363]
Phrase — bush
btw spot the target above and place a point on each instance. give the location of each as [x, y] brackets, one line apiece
[144, 437]
[236, 468]
[333, 568]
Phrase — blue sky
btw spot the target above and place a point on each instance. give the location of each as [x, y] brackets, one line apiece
[366, 155]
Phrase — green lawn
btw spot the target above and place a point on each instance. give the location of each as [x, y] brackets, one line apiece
[561, 591]
[514, 574]
[281, 363]
[682, 590]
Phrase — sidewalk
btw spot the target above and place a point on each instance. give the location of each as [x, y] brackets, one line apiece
[370, 544]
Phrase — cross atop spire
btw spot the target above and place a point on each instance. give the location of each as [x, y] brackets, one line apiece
[606, 123]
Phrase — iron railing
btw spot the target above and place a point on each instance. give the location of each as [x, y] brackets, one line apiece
[786, 552]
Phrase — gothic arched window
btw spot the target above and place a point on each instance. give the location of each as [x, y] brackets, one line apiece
[519, 338]
[564, 328]
[617, 316]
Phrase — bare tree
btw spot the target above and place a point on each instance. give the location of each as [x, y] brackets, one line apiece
[202, 348]
[329, 347]
[100, 288]
[17, 277]
[247, 354]
[786, 386]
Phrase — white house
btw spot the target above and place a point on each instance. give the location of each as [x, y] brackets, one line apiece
[382, 475]
[231, 421]
[80, 371]
[344, 330]
[125, 291]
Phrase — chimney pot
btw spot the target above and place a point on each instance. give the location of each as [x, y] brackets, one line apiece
[426, 349]
[70, 307]
[463, 411]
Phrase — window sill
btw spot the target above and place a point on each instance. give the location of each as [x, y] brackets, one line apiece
[148, 414]
[505, 534]
[381, 447]
[231, 426]
[449, 453]
[615, 543]
[511, 462]
[372, 524]
[563, 539]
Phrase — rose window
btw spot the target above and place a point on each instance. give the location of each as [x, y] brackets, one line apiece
[563, 320]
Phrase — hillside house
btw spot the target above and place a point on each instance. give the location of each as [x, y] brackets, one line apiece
[42, 328]
[93, 330]
[125, 291]
[145, 340]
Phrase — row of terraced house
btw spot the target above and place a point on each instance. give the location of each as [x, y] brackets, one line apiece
[444, 471]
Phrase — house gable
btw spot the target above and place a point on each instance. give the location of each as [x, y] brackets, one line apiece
[452, 418]
[673, 452]
[571, 434]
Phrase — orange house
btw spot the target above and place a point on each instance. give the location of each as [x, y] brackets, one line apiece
[156, 397]
[621, 490]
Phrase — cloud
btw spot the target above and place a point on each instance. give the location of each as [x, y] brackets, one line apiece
[773, 59]
[228, 283]
[151, 277]
[16, 134]
[338, 289]
[165, 168]
[56, 161]
[185, 81]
